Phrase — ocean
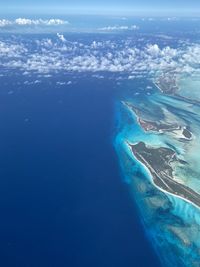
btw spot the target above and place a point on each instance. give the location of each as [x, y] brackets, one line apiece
[63, 199]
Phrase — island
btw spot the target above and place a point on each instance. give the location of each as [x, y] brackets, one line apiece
[160, 162]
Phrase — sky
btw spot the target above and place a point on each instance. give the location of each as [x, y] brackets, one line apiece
[132, 7]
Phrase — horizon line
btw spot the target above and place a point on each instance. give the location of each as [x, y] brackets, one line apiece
[101, 11]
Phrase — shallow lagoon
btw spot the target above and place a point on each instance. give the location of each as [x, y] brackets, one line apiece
[172, 223]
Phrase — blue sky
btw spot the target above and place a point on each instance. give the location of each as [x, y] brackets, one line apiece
[132, 7]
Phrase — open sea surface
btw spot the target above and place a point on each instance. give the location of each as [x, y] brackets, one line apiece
[63, 202]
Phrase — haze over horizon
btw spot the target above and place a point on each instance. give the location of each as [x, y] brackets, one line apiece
[111, 7]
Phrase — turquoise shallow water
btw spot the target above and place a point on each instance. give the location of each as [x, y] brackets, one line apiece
[172, 224]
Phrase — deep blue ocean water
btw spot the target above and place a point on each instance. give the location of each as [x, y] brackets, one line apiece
[62, 198]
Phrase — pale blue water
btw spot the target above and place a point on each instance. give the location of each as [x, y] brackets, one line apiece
[171, 223]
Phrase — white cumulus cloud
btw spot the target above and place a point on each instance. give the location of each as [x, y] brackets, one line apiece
[58, 54]
[32, 22]
[61, 37]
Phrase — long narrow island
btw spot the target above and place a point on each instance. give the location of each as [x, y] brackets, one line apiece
[159, 162]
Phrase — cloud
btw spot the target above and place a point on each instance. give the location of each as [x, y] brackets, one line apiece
[119, 28]
[30, 22]
[134, 27]
[153, 50]
[4, 23]
[21, 21]
[61, 37]
[11, 50]
[45, 56]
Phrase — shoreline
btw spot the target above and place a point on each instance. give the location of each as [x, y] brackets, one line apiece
[161, 189]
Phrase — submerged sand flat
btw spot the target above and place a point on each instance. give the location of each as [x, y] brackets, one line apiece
[163, 143]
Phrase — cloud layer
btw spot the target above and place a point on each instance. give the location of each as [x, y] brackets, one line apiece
[47, 55]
